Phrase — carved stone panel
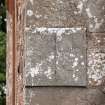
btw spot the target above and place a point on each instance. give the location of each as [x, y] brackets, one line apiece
[55, 57]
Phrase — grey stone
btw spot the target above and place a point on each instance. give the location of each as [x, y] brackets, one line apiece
[55, 57]
[64, 96]
[96, 57]
[40, 61]
[71, 58]
[96, 15]
[55, 13]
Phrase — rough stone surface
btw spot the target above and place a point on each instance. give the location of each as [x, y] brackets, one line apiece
[40, 54]
[67, 13]
[89, 14]
[96, 15]
[55, 56]
[55, 13]
[64, 96]
[96, 58]
[71, 57]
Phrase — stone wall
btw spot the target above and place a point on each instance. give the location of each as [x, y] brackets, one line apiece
[88, 14]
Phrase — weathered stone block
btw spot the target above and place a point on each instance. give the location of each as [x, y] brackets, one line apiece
[54, 57]
[55, 13]
[96, 14]
[96, 57]
[40, 57]
[71, 57]
[64, 96]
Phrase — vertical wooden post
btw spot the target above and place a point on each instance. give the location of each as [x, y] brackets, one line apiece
[15, 61]
[11, 52]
